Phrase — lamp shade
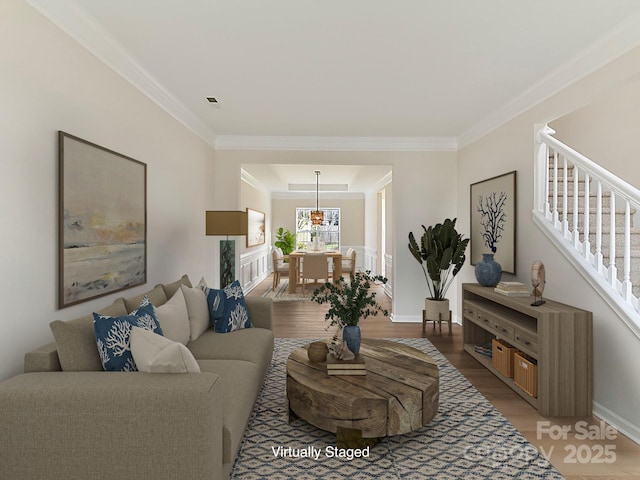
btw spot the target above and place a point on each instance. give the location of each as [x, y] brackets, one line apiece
[226, 222]
[317, 217]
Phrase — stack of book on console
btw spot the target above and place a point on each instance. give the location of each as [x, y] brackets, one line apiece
[512, 289]
[346, 367]
[484, 349]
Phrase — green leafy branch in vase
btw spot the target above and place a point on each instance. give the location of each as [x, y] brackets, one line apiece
[350, 300]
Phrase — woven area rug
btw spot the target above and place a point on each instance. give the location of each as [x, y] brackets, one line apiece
[468, 439]
[281, 293]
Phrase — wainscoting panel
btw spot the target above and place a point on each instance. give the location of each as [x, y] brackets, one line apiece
[254, 267]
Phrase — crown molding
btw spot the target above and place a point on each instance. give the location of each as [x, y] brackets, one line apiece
[323, 199]
[623, 38]
[85, 30]
[360, 144]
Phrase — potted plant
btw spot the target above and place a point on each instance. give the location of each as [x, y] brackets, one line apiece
[350, 301]
[441, 256]
[285, 241]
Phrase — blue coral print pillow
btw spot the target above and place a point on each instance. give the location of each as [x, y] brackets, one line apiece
[230, 313]
[113, 336]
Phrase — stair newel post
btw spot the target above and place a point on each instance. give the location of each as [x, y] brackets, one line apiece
[541, 171]
[626, 283]
[599, 265]
[613, 271]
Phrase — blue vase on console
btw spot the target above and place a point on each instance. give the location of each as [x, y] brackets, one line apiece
[352, 337]
[488, 271]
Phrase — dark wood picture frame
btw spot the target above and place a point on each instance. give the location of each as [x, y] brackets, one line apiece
[256, 227]
[491, 189]
[102, 221]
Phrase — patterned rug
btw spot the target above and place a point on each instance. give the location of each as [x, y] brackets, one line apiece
[281, 293]
[468, 439]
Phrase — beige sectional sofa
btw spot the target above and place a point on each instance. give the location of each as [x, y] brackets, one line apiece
[66, 418]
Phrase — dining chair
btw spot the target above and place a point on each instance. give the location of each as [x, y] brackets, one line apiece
[279, 266]
[315, 266]
[349, 261]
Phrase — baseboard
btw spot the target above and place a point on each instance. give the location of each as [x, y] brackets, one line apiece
[623, 426]
[406, 318]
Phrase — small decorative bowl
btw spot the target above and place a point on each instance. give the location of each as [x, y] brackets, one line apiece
[318, 352]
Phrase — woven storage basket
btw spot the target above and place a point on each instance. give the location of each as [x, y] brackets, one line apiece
[525, 373]
[502, 357]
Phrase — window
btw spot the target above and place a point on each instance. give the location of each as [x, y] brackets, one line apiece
[329, 231]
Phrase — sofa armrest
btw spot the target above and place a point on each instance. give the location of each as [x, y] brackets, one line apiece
[99, 425]
[42, 359]
[260, 312]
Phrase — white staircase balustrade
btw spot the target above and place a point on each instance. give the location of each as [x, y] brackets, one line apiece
[587, 212]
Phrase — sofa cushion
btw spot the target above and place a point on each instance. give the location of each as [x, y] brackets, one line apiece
[254, 345]
[171, 288]
[113, 335]
[156, 296]
[174, 318]
[227, 308]
[76, 340]
[154, 353]
[241, 383]
[197, 309]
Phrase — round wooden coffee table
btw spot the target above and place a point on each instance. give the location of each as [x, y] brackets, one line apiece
[398, 394]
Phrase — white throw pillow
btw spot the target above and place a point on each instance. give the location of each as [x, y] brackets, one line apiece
[198, 310]
[155, 354]
[174, 318]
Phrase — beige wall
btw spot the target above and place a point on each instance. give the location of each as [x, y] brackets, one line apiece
[50, 83]
[351, 216]
[607, 131]
[512, 147]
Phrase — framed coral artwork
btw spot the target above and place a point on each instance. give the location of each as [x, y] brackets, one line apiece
[102, 221]
[493, 220]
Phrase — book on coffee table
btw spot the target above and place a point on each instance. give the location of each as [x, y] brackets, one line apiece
[335, 366]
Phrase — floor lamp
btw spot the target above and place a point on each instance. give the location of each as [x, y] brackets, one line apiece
[226, 223]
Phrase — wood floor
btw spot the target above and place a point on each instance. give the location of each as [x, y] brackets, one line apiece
[576, 458]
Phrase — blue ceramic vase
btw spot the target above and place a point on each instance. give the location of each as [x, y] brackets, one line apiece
[488, 271]
[351, 336]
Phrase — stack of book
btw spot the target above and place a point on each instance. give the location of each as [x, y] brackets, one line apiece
[512, 289]
[346, 367]
[484, 349]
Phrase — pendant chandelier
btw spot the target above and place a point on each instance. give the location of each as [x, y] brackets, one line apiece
[317, 216]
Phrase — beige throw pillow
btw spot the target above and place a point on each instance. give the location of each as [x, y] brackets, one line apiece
[155, 354]
[174, 318]
[198, 310]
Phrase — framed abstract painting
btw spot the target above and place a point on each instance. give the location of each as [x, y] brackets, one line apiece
[256, 228]
[102, 221]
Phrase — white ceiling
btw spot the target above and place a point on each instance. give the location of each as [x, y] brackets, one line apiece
[410, 73]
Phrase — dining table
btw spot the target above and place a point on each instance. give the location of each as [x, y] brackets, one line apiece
[297, 255]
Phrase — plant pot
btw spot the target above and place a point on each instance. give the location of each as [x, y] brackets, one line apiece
[488, 271]
[436, 309]
[351, 336]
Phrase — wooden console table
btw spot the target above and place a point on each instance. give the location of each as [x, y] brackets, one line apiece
[558, 337]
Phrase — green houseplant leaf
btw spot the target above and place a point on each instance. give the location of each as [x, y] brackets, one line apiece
[440, 255]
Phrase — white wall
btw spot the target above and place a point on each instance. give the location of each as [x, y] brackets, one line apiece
[50, 83]
[616, 360]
